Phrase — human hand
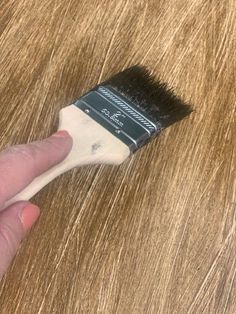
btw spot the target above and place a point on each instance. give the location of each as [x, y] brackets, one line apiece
[19, 165]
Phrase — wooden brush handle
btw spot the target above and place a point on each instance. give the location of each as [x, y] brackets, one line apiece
[92, 144]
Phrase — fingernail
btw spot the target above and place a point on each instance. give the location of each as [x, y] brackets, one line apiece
[29, 216]
[61, 133]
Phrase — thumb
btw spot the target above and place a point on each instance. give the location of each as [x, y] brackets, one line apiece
[15, 221]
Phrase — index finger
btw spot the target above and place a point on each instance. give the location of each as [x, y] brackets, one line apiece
[20, 164]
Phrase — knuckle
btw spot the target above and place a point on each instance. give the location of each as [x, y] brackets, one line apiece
[25, 154]
[25, 151]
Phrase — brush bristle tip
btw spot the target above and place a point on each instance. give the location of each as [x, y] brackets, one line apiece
[150, 95]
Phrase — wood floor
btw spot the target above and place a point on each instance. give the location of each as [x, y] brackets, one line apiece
[157, 234]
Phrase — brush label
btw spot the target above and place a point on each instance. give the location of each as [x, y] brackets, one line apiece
[126, 119]
[120, 120]
[115, 117]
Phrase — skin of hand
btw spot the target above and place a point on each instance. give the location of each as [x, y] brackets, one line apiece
[19, 165]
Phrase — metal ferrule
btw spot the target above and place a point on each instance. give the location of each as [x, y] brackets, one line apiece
[119, 116]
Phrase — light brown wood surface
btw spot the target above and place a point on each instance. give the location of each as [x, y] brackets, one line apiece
[157, 234]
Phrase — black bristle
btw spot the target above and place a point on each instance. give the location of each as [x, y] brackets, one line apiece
[150, 95]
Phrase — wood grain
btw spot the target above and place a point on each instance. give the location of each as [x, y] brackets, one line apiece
[157, 234]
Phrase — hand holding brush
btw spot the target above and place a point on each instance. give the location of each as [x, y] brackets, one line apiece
[106, 125]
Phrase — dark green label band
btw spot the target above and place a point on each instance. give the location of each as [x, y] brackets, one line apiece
[118, 116]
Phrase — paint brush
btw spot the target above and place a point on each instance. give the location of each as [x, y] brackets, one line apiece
[112, 121]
